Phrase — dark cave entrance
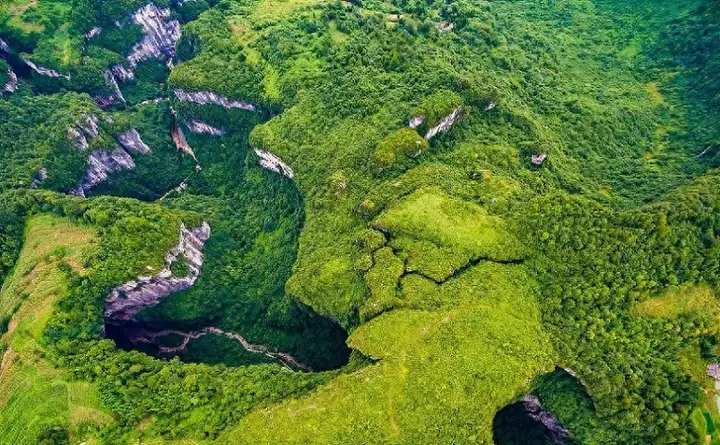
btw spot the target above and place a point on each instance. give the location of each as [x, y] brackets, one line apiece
[525, 422]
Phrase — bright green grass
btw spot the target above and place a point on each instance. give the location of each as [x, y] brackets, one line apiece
[441, 374]
[459, 226]
[33, 394]
[47, 239]
[681, 300]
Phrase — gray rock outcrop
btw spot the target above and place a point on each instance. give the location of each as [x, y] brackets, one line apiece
[94, 32]
[11, 85]
[445, 123]
[125, 301]
[121, 73]
[272, 162]
[100, 164]
[160, 33]
[77, 139]
[45, 71]
[198, 127]
[89, 124]
[210, 98]
[112, 83]
[39, 177]
[131, 141]
[534, 409]
[538, 159]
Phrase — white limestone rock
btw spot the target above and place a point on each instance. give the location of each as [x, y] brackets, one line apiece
[11, 85]
[160, 34]
[94, 32]
[45, 71]
[112, 83]
[445, 124]
[131, 141]
[89, 124]
[272, 162]
[210, 98]
[416, 121]
[198, 127]
[535, 411]
[39, 177]
[125, 301]
[77, 139]
[538, 159]
[100, 164]
[121, 73]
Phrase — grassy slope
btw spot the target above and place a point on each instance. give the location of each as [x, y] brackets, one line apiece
[34, 395]
[441, 375]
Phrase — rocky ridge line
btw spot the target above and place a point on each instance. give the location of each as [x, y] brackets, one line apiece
[125, 301]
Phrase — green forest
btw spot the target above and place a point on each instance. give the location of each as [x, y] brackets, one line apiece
[359, 222]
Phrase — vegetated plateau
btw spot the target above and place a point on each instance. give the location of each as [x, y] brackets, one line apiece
[359, 222]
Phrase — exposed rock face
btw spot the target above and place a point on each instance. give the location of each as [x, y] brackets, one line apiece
[100, 164]
[94, 32]
[11, 85]
[4, 46]
[208, 97]
[124, 302]
[445, 124]
[538, 159]
[89, 124]
[121, 73]
[416, 122]
[535, 410]
[198, 127]
[444, 26]
[713, 371]
[77, 139]
[39, 177]
[112, 82]
[131, 141]
[272, 162]
[159, 35]
[45, 71]
[181, 142]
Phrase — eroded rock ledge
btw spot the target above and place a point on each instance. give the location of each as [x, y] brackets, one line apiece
[101, 163]
[45, 71]
[11, 85]
[535, 411]
[159, 35]
[198, 127]
[125, 301]
[272, 162]
[210, 98]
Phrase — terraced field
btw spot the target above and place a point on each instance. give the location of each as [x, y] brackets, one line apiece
[33, 395]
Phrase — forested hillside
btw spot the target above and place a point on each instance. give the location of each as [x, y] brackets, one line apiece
[356, 222]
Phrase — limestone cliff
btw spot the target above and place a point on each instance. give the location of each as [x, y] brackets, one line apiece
[11, 85]
[131, 141]
[45, 71]
[100, 164]
[445, 123]
[210, 98]
[125, 301]
[198, 127]
[272, 162]
[534, 409]
[160, 33]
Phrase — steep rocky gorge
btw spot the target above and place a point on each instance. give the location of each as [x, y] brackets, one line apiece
[103, 162]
